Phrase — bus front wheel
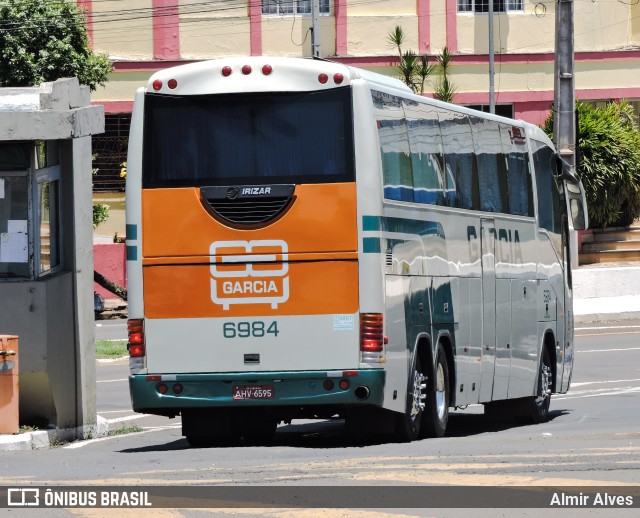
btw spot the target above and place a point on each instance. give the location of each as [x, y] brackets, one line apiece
[538, 405]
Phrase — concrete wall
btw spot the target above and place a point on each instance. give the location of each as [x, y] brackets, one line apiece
[53, 314]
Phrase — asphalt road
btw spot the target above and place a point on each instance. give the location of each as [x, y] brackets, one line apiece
[111, 329]
[592, 439]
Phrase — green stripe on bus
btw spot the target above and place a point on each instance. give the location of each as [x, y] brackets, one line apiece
[371, 223]
[402, 225]
[132, 232]
[371, 245]
[132, 253]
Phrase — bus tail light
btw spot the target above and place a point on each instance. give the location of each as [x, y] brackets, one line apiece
[371, 332]
[136, 344]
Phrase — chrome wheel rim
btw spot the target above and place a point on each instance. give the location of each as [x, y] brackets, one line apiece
[545, 385]
[441, 403]
[419, 395]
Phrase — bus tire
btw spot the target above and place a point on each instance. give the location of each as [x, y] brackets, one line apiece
[538, 405]
[255, 425]
[409, 424]
[436, 415]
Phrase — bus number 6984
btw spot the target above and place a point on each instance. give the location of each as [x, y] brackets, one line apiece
[257, 329]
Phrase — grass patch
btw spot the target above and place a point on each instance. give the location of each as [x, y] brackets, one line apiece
[111, 348]
[125, 429]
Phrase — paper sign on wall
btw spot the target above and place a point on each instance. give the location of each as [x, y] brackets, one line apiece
[15, 226]
[14, 247]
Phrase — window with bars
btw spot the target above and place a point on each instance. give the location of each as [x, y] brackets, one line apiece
[292, 7]
[482, 6]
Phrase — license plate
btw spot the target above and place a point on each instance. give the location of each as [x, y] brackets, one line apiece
[252, 392]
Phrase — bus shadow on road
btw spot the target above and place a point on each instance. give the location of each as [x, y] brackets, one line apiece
[333, 434]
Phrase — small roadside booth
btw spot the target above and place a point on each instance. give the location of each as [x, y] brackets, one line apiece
[46, 251]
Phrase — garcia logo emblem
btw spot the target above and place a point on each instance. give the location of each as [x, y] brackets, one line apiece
[243, 272]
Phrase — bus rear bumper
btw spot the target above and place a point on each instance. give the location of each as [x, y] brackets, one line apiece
[168, 393]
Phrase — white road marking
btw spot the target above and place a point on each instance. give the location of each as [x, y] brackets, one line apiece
[599, 382]
[82, 444]
[609, 350]
[598, 393]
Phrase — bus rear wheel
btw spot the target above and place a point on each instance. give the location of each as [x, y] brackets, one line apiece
[409, 423]
[436, 414]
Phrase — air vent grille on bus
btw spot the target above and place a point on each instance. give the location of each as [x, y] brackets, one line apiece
[248, 205]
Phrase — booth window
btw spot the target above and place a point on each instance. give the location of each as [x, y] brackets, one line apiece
[29, 209]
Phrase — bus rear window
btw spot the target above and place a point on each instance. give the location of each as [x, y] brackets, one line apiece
[248, 139]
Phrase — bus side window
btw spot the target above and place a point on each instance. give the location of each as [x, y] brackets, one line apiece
[519, 186]
[549, 208]
[492, 177]
[427, 160]
[394, 146]
[460, 161]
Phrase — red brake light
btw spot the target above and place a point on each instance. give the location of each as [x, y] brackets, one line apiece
[267, 69]
[338, 78]
[172, 83]
[226, 71]
[371, 327]
[157, 84]
[246, 70]
[136, 344]
[323, 78]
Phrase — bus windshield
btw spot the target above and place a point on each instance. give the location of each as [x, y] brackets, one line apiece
[248, 139]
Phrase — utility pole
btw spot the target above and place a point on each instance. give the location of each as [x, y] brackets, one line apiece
[315, 28]
[564, 120]
[492, 88]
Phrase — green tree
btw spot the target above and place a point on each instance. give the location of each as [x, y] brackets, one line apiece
[608, 145]
[414, 69]
[444, 89]
[45, 40]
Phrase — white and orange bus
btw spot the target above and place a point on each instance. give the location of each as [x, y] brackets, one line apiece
[306, 240]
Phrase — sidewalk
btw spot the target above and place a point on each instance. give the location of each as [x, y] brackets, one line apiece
[607, 292]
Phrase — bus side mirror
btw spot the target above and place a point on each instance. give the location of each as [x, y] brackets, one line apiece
[577, 205]
[576, 199]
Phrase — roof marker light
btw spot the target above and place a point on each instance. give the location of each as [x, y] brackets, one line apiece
[246, 70]
[338, 78]
[157, 84]
[226, 71]
[172, 83]
[267, 69]
[323, 78]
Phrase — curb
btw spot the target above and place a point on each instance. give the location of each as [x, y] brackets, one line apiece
[41, 439]
[607, 317]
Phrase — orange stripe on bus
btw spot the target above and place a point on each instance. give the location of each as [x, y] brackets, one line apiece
[317, 287]
[323, 218]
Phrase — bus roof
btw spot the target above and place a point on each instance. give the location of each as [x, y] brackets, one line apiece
[261, 74]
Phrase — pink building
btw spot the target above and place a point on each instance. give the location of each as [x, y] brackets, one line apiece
[142, 36]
